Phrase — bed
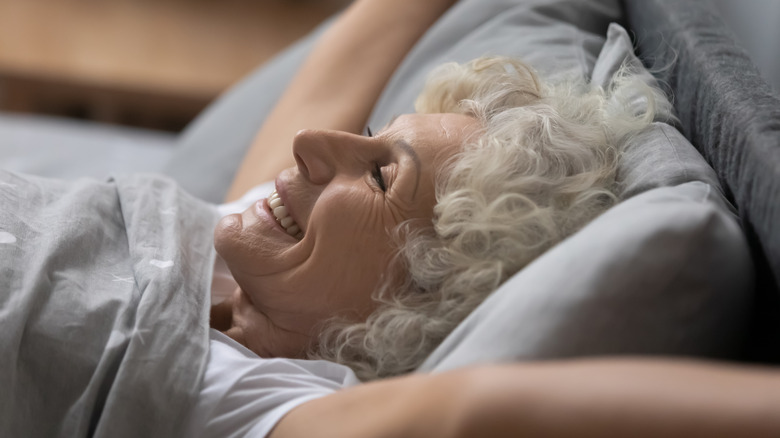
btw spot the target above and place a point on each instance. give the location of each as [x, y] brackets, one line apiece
[687, 265]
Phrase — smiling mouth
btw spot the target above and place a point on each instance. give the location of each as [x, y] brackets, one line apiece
[283, 216]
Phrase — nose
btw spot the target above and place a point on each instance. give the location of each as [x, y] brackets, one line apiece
[320, 154]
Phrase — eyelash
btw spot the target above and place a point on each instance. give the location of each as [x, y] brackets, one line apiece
[377, 174]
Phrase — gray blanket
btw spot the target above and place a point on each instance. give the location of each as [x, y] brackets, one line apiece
[103, 305]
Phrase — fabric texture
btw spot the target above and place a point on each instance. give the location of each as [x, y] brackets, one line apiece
[245, 395]
[103, 308]
[732, 116]
[661, 273]
[660, 156]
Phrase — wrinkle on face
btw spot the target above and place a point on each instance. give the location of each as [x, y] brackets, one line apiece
[348, 235]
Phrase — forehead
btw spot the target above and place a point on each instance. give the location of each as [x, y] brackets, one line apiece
[432, 134]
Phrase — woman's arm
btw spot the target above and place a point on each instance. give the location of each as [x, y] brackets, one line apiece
[340, 81]
[586, 398]
[627, 397]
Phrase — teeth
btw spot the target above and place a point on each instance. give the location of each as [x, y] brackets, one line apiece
[283, 216]
[281, 212]
[286, 222]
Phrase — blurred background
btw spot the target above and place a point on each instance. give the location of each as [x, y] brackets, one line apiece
[157, 63]
[145, 63]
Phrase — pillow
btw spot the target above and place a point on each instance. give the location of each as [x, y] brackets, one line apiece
[664, 272]
[660, 156]
[557, 36]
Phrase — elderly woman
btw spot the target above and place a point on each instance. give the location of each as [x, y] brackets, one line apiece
[367, 251]
[371, 248]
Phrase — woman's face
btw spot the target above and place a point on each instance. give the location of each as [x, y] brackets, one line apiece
[346, 195]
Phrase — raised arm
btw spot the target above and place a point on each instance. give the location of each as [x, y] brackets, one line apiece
[339, 82]
[586, 398]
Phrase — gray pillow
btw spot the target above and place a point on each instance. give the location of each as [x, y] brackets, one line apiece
[557, 36]
[664, 272]
[661, 273]
[660, 156]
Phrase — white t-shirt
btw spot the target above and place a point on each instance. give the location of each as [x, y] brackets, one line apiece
[243, 394]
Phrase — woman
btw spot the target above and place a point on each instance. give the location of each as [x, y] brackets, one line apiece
[554, 152]
[373, 248]
[506, 164]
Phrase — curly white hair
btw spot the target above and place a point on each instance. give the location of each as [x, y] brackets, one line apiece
[543, 166]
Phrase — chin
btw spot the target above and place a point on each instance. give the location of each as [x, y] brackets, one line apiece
[251, 246]
[226, 233]
[235, 243]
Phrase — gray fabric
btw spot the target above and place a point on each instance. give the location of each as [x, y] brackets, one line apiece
[732, 116]
[69, 149]
[563, 36]
[103, 306]
[660, 157]
[661, 273]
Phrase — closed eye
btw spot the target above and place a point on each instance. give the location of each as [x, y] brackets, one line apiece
[377, 175]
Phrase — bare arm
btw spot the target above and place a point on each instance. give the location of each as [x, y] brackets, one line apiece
[339, 82]
[588, 398]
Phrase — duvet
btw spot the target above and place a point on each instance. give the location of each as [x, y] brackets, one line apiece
[103, 305]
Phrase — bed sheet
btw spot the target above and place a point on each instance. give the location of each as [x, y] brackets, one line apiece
[104, 305]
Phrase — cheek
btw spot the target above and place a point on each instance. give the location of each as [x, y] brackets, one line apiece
[353, 229]
[342, 281]
[351, 253]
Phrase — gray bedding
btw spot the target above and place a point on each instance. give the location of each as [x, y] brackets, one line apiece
[732, 116]
[103, 315]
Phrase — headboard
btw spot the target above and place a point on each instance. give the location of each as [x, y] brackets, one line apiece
[732, 117]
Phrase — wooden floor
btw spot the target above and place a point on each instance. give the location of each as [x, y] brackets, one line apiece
[112, 59]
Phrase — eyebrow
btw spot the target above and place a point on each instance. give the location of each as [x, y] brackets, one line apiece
[409, 150]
